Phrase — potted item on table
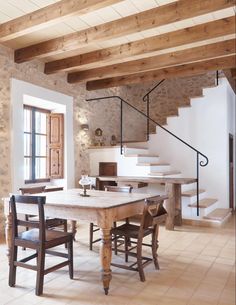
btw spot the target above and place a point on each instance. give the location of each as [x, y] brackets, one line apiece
[84, 181]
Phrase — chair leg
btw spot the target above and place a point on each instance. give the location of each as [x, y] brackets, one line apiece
[115, 240]
[40, 272]
[73, 227]
[65, 229]
[12, 270]
[91, 236]
[154, 249]
[139, 261]
[126, 249]
[70, 258]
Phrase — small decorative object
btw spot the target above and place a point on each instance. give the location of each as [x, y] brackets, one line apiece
[84, 127]
[113, 141]
[98, 137]
[84, 181]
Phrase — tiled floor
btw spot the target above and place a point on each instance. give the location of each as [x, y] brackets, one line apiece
[197, 268]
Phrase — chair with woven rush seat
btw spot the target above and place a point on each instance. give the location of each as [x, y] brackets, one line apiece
[39, 239]
[93, 228]
[50, 222]
[153, 214]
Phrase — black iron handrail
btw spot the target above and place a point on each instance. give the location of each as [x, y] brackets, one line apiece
[201, 163]
[147, 99]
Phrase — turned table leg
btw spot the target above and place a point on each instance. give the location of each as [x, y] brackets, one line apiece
[8, 234]
[173, 205]
[105, 256]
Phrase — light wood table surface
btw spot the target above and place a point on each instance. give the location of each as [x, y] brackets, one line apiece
[102, 208]
[172, 189]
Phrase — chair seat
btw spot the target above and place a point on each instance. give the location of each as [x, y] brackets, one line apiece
[129, 230]
[33, 235]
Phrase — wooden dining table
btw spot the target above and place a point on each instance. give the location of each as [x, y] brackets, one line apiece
[101, 207]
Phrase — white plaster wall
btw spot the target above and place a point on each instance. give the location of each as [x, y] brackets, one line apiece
[231, 102]
[205, 126]
[22, 91]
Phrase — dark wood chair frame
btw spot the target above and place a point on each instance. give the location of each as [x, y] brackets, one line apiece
[50, 222]
[41, 244]
[153, 214]
[94, 228]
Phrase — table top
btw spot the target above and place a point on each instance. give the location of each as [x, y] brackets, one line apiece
[97, 199]
[176, 180]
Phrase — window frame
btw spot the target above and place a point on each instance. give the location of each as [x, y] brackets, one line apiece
[33, 133]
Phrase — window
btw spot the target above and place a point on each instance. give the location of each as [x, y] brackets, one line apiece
[35, 144]
[43, 145]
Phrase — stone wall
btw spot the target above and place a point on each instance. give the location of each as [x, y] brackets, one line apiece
[103, 114]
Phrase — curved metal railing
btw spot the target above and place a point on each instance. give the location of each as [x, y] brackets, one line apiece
[199, 154]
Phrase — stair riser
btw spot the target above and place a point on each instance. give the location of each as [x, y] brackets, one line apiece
[137, 144]
[191, 200]
[191, 213]
[148, 159]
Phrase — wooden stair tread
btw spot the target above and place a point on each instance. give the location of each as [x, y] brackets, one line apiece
[136, 147]
[153, 164]
[191, 193]
[167, 173]
[218, 214]
[204, 203]
[141, 155]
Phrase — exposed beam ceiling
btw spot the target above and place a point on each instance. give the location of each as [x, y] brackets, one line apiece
[117, 54]
[48, 16]
[163, 15]
[210, 51]
[178, 71]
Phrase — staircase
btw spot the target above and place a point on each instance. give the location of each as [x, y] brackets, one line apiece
[137, 161]
[141, 160]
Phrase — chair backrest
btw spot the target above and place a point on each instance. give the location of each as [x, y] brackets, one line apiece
[154, 212]
[15, 201]
[32, 190]
[122, 189]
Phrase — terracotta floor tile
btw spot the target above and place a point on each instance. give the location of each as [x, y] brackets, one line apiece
[197, 267]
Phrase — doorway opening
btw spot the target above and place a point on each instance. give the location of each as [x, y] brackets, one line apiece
[231, 171]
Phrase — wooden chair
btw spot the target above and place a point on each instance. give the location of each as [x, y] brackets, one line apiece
[93, 228]
[153, 214]
[39, 239]
[50, 222]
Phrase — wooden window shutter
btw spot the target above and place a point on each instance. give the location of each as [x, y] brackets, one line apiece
[55, 145]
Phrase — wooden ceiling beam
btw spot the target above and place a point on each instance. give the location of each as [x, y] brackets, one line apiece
[116, 54]
[49, 15]
[209, 51]
[162, 15]
[178, 71]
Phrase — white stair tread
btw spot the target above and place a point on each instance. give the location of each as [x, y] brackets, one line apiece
[204, 203]
[191, 193]
[141, 155]
[152, 164]
[218, 214]
[167, 173]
